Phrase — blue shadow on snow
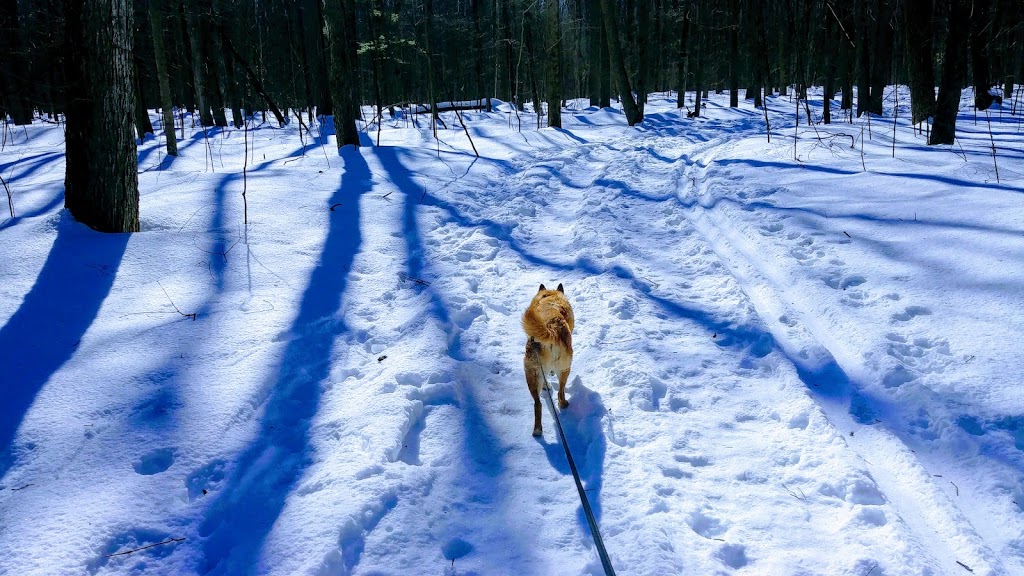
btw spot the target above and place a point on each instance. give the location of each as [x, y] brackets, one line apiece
[238, 522]
[48, 326]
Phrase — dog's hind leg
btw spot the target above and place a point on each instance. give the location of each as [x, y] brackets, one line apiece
[563, 377]
[535, 392]
[534, 381]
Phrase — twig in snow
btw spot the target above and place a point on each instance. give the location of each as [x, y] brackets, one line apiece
[192, 315]
[955, 486]
[406, 278]
[965, 566]
[10, 202]
[847, 234]
[991, 138]
[868, 573]
[802, 496]
[22, 488]
[126, 552]
[333, 206]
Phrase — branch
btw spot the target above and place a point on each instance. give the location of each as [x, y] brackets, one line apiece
[253, 79]
[192, 315]
[126, 552]
[10, 202]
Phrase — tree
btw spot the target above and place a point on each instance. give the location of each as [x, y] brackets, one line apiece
[618, 66]
[342, 77]
[954, 65]
[101, 180]
[554, 64]
[157, 20]
[14, 78]
[918, 32]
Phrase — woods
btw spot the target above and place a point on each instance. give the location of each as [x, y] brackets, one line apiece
[196, 60]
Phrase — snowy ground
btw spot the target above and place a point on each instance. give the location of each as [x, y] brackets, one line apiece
[783, 366]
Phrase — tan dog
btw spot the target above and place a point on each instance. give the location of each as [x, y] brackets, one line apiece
[548, 323]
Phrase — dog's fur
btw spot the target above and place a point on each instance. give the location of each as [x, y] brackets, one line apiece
[548, 323]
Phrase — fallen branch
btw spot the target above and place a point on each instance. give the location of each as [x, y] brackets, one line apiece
[126, 552]
[965, 566]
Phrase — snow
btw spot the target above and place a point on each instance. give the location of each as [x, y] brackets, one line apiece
[782, 366]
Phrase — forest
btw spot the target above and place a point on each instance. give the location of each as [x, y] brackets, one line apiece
[263, 268]
[211, 58]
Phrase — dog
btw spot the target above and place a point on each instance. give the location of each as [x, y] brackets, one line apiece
[548, 323]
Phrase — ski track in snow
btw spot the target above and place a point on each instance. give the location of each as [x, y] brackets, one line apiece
[723, 422]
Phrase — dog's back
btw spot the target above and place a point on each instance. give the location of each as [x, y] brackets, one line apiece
[548, 323]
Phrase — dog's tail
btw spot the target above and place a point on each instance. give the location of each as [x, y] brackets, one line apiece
[554, 331]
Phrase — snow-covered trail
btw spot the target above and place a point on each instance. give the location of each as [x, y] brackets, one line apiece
[766, 380]
[577, 194]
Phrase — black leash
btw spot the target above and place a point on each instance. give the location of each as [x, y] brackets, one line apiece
[605, 561]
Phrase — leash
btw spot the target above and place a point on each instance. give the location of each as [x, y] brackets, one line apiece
[605, 561]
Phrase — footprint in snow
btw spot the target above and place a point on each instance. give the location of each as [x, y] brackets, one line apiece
[733, 555]
[842, 282]
[706, 525]
[910, 313]
[154, 462]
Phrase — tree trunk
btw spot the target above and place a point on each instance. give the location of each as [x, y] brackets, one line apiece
[199, 75]
[863, 58]
[143, 125]
[101, 180]
[618, 66]
[14, 75]
[341, 76]
[554, 64]
[947, 105]
[605, 92]
[980, 54]
[643, 40]
[734, 53]
[918, 28]
[682, 62]
[157, 18]
[882, 56]
[594, 34]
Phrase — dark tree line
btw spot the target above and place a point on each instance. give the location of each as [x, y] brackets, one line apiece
[200, 60]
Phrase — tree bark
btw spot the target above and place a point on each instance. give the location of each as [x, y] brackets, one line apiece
[643, 66]
[101, 180]
[554, 64]
[14, 75]
[341, 75]
[734, 53]
[980, 54]
[954, 65]
[157, 18]
[618, 66]
[918, 28]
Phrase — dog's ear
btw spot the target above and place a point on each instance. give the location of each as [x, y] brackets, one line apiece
[541, 289]
[560, 289]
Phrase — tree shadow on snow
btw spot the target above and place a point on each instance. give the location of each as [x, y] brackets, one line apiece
[238, 523]
[48, 326]
[482, 452]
